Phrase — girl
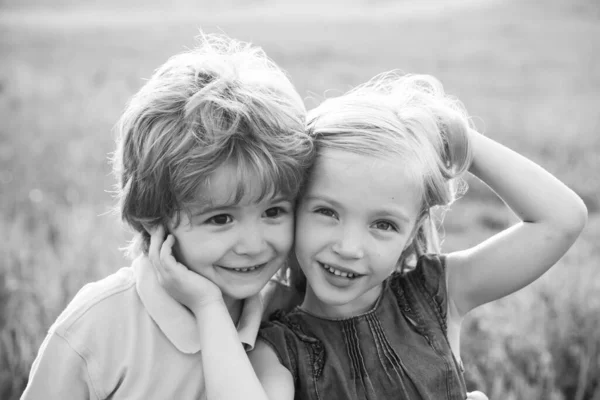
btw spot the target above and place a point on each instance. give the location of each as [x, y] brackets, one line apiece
[382, 310]
[371, 325]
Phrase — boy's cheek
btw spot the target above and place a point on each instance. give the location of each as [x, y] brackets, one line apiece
[283, 235]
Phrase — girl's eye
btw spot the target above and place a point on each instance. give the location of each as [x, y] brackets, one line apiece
[275, 212]
[221, 219]
[384, 226]
[328, 212]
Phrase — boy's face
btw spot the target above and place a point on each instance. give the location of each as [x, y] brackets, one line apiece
[238, 246]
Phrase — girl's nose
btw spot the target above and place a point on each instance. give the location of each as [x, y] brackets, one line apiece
[349, 245]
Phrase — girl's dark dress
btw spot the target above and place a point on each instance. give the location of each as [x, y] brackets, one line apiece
[398, 350]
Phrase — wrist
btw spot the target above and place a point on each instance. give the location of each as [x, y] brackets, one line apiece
[207, 306]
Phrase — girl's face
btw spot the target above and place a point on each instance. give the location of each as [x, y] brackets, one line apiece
[238, 246]
[353, 222]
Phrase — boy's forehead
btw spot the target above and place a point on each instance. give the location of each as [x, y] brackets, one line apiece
[226, 186]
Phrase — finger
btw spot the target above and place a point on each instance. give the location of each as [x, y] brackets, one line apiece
[477, 395]
[156, 242]
[168, 262]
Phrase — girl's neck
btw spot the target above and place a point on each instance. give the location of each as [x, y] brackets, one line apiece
[234, 306]
[353, 308]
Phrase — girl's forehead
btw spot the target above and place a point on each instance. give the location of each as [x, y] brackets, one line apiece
[333, 161]
[365, 181]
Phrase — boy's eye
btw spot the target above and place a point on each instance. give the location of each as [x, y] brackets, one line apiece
[384, 226]
[275, 212]
[328, 212]
[220, 219]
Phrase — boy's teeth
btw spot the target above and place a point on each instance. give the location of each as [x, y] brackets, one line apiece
[246, 269]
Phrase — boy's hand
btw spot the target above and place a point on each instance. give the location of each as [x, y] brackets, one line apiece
[187, 287]
[476, 396]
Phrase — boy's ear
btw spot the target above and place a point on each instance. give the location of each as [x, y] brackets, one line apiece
[149, 228]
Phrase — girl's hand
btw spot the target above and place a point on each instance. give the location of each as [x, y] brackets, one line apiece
[187, 287]
[476, 396]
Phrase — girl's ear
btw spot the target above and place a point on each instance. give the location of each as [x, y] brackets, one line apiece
[411, 251]
[408, 258]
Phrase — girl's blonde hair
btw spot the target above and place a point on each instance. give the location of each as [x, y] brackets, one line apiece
[224, 102]
[410, 119]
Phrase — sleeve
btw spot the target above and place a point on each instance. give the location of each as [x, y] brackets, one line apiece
[279, 338]
[59, 372]
[430, 273]
[423, 287]
[431, 270]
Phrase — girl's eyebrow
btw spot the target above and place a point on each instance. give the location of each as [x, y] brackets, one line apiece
[391, 211]
[394, 212]
[323, 198]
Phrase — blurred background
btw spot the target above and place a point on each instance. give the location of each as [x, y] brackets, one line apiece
[528, 71]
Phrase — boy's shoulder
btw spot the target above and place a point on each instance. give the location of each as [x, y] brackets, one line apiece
[99, 303]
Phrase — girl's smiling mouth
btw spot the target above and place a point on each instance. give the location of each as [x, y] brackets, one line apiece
[337, 271]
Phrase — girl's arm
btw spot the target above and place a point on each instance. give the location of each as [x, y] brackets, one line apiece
[552, 217]
[228, 373]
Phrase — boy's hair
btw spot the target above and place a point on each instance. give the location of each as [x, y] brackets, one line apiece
[409, 118]
[223, 102]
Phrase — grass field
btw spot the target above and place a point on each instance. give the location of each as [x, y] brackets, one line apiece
[526, 70]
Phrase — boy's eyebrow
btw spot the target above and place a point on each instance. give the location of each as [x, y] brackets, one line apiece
[394, 211]
[280, 198]
[210, 208]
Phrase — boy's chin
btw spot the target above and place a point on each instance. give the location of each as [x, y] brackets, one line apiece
[241, 292]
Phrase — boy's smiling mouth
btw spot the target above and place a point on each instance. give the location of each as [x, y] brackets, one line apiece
[244, 269]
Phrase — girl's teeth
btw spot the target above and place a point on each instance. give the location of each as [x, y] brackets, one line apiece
[339, 273]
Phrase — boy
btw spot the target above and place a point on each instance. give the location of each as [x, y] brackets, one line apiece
[212, 149]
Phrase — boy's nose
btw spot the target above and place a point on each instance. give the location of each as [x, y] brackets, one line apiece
[250, 242]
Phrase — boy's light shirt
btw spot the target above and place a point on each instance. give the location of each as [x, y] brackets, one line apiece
[124, 337]
[177, 322]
